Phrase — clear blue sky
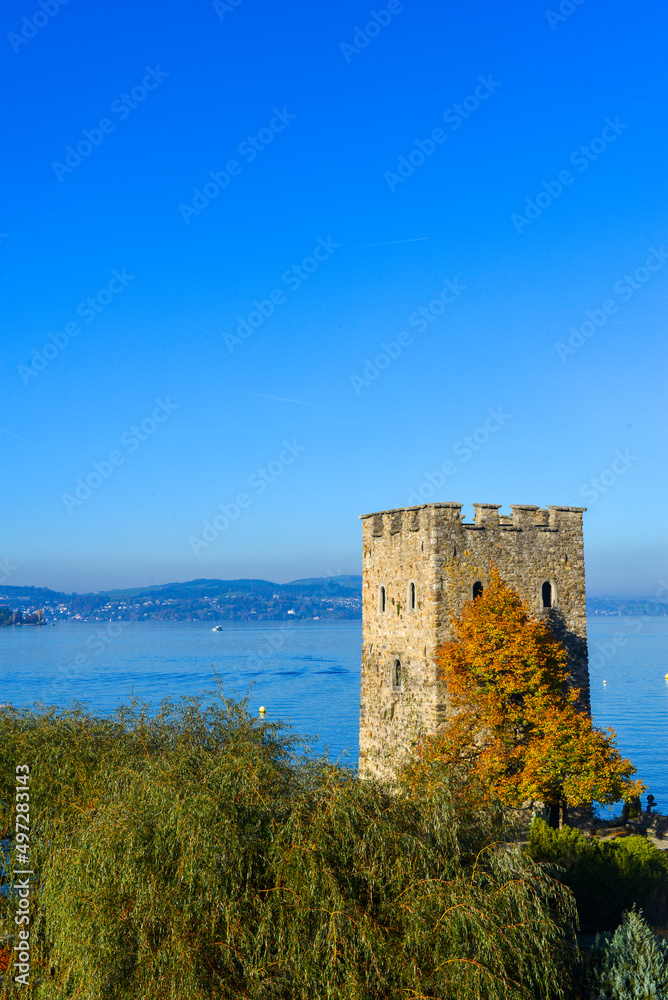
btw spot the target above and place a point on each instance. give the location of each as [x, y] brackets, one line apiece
[421, 145]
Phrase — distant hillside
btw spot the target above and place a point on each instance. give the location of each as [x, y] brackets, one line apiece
[324, 586]
[207, 600]
[354, 582]
[626, 606]
[219, 600]
[34, 594]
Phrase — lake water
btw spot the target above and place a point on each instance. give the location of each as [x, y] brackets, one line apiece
[308, 673]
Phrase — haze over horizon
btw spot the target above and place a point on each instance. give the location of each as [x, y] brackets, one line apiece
[281, 267]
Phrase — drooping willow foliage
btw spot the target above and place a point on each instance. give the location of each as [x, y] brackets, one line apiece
[200, 853]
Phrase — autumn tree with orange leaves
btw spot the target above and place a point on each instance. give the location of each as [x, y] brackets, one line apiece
[516, 725]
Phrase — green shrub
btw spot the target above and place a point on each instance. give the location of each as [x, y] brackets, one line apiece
[632, 964]
[547, 844]
[203, 854]
[606, 877]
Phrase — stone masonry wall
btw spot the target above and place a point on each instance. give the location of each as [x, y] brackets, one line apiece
[433, 548]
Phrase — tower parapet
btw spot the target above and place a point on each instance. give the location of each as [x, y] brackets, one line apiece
[421, 564]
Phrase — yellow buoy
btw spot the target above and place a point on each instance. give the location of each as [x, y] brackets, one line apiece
[605, 682]
[261, 709]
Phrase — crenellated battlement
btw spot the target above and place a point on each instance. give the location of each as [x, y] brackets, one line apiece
[421, 565]
[524, 517]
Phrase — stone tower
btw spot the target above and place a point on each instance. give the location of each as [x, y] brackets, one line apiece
[420, 565]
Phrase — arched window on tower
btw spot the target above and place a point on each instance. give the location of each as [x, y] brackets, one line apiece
[477, 589]
[546, 594]
[397, 678]
[412, 596]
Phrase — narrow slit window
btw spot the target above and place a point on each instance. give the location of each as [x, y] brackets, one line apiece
[412, 600]
[382, 599]
[396, 674]
[477, 589]
[547, 594]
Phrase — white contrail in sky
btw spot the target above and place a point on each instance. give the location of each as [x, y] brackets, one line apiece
[282, 399]
[416, 239]
[33, 444]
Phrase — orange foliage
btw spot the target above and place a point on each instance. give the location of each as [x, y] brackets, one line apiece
[517, 726]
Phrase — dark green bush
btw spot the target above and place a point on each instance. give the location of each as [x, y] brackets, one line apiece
[202, 854]
[606, 877]
[631, 964]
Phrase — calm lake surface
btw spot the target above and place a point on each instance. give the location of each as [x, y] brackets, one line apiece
[308, 673]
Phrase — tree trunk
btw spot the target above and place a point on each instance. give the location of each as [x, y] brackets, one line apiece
[558, 814]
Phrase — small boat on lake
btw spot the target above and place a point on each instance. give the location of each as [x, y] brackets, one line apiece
[217, 628]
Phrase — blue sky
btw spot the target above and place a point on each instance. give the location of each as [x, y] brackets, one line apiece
[262, 201]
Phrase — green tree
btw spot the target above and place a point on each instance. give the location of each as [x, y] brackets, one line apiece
[199, 853]
[633, 963]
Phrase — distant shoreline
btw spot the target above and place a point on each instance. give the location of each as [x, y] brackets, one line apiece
[215, 601]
